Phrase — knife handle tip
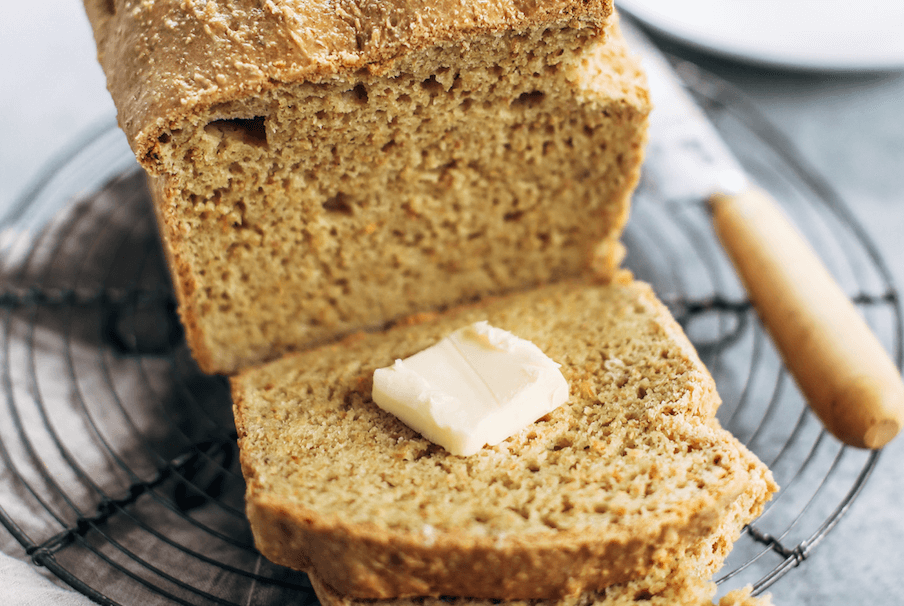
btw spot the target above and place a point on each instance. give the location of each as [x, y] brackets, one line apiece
[869, 411]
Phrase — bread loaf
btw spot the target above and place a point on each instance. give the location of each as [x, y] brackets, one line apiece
[319, 168]
[627, 476]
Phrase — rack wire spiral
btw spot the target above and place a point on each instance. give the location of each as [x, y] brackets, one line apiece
[120, 465]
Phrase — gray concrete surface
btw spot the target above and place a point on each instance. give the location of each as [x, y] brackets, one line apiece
[850, 127]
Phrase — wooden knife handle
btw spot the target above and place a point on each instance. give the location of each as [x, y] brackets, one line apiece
[843, 371]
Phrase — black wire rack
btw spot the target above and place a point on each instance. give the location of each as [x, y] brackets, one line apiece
[121, 473]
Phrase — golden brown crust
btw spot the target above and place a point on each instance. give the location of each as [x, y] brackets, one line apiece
[184, 283]
[391, 564]
[167, 60]
[304, 419]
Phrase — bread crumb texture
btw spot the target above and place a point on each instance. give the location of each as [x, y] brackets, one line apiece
[626, 477]
[742, 597]
[319, 168]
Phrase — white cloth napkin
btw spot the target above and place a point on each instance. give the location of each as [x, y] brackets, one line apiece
[22, 585]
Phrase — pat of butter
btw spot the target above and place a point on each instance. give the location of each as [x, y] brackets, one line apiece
[480, 385]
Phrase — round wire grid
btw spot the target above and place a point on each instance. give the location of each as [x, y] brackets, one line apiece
[121, 473]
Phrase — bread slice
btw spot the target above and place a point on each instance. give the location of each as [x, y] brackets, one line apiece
[323, 167]
[680, 591]
[624, 478]
[680, 581]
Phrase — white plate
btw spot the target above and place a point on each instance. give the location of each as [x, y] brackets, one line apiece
[835, 35]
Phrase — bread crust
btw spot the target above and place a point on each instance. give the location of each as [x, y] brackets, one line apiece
[372, 563]
[679, 581]
[184, 281]
[169, 60]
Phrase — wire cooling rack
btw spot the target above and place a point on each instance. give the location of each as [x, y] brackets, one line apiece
[120, 466]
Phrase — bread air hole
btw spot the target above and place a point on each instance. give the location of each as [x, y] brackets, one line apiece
[431, 85]
[338, 204]
[531, 99]
[250, 131]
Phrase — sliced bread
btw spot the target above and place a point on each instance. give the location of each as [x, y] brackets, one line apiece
[624, 478]
[684, 580]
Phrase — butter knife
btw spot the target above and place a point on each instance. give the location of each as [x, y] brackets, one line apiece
[841, 368]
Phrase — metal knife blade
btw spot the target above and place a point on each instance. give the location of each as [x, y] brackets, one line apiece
[686, 156]
[839, 365]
